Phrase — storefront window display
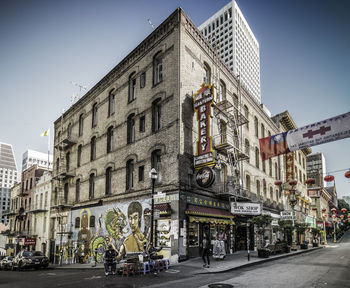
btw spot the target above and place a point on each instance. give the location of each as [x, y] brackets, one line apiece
[193, 235]
[163, 231]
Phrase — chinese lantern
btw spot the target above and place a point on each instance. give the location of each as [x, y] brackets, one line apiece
[334, 210]
[278, 182]
[293, 182]
[342, 217]
[333, 216]
[347, 174]
[314, 208]
[324, 210]
[310, 181]
[329, 178]
[324, 215]
[343, 210]
[287, 193]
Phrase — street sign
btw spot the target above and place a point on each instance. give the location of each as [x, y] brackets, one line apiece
[287, 215]
[156, 214]
[245, 208]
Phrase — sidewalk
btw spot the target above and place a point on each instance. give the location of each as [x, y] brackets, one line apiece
[195, 265]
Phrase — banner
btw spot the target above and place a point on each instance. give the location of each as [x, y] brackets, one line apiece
[329, 130]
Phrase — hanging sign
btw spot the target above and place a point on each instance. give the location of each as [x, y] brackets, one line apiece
[287, 215]
[203, 99]
[245, 208]
[205, 177]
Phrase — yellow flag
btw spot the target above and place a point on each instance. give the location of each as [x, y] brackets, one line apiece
[45, 133]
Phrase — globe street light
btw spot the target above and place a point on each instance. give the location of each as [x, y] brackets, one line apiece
[153, 175]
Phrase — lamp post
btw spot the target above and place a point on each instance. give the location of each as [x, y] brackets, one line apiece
[292, 202]
[334, 217]
[153, 175]
[324, 216]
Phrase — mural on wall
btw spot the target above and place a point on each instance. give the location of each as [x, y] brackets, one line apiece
[126, 226]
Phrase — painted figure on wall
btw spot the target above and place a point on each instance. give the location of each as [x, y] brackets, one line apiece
[84, 237]
[136, 241]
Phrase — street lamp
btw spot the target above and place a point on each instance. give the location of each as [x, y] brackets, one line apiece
[292, 202]
[153, 175]
[334, 216]
[324, 217]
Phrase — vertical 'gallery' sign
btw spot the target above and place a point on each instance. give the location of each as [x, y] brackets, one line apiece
[203, 100]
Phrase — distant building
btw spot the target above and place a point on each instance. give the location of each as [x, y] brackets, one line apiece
[346, 199]
[8, 177]
[316, 168]
[31, 157]
[229, 33]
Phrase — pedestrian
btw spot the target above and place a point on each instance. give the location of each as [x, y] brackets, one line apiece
[206, 251]
[110, 259]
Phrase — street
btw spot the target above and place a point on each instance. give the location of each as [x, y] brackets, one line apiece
[328, 267]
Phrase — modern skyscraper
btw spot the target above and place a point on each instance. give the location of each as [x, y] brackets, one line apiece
[31, 157]
[8, 177]
[229, 33]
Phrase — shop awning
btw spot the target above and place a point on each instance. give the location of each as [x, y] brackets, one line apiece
[199, 219]
[208, 211]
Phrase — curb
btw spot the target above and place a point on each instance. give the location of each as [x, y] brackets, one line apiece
[262, 261]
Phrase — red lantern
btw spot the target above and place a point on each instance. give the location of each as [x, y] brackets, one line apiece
[314, 208]
[293, 182]
[342, 217]
[324, 210]
[324, 215]
[333, 216]
[343, 210]
[287, 193]
[310, 181]
[278, 182]
[329, 178]
[347, 174]
[334, 210]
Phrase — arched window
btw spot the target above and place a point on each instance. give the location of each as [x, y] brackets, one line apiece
[129, 174]
[110, 139]
[77, 190]
[157, 68]
[111, 103]
[262, 130]
[66, 191]
[256, 126]
[131, 128]
[246, 147]
[156, 115]
[265, 189]
[91, 185]
[206, 74]
[57, 169]
[258, 188]
[246, 115]
[247, 182]
[270, 167]
[222, 92]
[92, 221]
[223, 131]
[257, 157]
[94, 115]
[69, 130]
[93, 148]
[276, 171]
[108, 190]
[156, 160]
[264, 165]
[81, 124]
[77, 222]
[277, 196]
[132, 87]
[67, 161]
[80, 147]
[223, 176]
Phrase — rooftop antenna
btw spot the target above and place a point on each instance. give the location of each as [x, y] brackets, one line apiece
[76, 96]
[150, 23]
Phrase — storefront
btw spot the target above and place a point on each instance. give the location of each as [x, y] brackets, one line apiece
[210, 217]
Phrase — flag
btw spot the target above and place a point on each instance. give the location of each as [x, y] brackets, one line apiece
[273, 145]
[45, 133]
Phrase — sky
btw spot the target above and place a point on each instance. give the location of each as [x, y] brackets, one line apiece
[45, 46]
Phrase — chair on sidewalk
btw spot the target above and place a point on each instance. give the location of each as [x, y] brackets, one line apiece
[128, 269]
[166, 263]
[144, 268]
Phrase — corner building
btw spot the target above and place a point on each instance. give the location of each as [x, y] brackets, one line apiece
[141, 116]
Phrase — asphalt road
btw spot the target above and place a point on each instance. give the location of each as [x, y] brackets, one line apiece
[329, 267]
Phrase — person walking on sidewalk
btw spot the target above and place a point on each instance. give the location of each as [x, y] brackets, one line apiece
[206, 251]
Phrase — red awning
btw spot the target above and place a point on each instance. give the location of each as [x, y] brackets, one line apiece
[208, 211]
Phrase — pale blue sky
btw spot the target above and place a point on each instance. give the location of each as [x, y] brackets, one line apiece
[304, 52]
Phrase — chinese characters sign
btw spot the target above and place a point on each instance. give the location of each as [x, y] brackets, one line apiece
[207, 202]
[203, 100]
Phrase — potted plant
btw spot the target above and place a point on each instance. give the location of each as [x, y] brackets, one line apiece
[287, 229]
[261, 222]
[301, 228]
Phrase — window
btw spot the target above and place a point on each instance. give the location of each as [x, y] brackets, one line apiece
[77, 222]
[66, 192]
[206, 74]
[94, 115]
[247, 182]
[142, 123]
[246, 147]
[222, 91]
[258, 188]
[277, 196]
[223, 131]
[69, 130]
[141, 173]
[143, 80]
[67, 161]
[93, 148]
[129, 174]
[77, 190]
[111, 103]
[110, 139]
[56, 196]
[132, 87]
[157, 68]
[276, 171]
[257, 157]
[223, 177]
[246, 114]
[81, 124]
[131, 129]
[156, 115]
[264, 166]
[79, 155]
[31, 183]
[108, 181]
[91, 185]
[270, 167]
[262, 131]
[271, 194]
[92, 221]
[157, 164]
[256, 126]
